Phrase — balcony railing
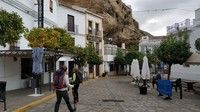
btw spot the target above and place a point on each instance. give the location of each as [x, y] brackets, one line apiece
[95, 32]
[72, 29]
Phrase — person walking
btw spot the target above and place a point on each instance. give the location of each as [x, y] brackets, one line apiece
[61, 84]
[77, 78]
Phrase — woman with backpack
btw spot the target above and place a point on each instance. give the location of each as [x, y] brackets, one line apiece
[77, 78]
[61, 84]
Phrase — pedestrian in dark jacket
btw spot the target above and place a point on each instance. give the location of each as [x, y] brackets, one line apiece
[77, 79]
[61, 84]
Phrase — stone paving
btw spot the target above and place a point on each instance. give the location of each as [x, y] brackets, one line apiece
[119, 88]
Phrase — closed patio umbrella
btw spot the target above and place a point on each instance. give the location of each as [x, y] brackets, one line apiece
[145, 69]
[136, 70]
[132, 68]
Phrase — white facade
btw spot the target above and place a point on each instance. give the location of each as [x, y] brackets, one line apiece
[181, 25]
[10, 69]
[149, 44]
[94, 32]
[192, 71]
[109, 55]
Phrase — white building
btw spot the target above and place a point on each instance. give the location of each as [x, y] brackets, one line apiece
[72, 18]
[149, 43]
[190, 72]
[94, 33]
[109, 55]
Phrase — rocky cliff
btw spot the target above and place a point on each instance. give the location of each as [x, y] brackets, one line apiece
[118, 23]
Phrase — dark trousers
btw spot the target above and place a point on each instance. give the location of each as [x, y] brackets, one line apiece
[64, 95]
[75, 93]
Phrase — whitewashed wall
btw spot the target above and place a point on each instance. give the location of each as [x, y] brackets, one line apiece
[11, 70]
[194, 35]
[190, 73]
[79, 19]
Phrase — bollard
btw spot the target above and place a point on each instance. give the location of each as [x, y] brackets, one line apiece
[3, 93]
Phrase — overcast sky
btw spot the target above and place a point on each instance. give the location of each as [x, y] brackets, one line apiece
[155, 22]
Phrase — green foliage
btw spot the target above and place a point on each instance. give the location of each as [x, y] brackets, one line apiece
[197, 44]
[80, 57]
[92, 57]
[174, 50]
[11, 26]
[130, 56]
[152, 58]
[120, 58]
[46, 37]
[66, 42]
[53, 38]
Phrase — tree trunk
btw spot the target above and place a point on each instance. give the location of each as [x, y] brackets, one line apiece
[169, 71]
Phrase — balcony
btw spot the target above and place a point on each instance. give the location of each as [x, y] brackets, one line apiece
[94, 32]
[72, 29]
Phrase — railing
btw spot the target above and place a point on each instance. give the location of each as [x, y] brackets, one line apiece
[95, 32]
[74, 29]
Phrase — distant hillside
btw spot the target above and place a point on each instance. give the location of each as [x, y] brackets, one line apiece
[118, 23]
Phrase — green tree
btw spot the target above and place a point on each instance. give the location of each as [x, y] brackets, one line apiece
[52, 38]
[119, 59]
[174, 50]
[130, 56]
[11, 26]
[92, 57]
[66, 42]
[80, 56]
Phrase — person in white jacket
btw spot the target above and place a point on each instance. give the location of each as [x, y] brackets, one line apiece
[61, 85]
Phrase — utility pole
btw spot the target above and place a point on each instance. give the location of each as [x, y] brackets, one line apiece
[40, 13]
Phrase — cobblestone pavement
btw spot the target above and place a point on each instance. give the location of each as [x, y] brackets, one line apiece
[119, 88]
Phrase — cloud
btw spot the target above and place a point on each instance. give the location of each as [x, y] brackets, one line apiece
[155, 21]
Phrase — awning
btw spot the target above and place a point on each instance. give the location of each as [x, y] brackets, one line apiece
[194, 59]
[28, 53]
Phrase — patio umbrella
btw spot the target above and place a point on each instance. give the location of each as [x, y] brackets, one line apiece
[132, 68]
[136, 70]
[145, 69]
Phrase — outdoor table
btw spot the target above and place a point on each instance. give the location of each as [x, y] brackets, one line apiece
[190, 85]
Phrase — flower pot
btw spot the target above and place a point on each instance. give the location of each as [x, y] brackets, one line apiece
[143, 90]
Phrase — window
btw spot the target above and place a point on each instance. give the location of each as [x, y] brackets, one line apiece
[97, 28]
[71, 26]
[51, 6]
[26, 68]
[97, 48]
[89, 26]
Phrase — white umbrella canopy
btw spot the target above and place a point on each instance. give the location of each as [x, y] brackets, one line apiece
[136, 69]
[132, 68]
[145, 69]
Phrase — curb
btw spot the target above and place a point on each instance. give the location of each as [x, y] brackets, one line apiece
[35, 103]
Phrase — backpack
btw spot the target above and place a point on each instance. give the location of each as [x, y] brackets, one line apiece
[58, 80]
[79, 78]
